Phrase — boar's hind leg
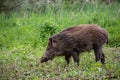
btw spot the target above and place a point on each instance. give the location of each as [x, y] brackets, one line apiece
[75, 57]
[99, 54]
[67, 58]
[103, 58]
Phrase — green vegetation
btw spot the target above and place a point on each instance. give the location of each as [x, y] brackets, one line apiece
[23, 39]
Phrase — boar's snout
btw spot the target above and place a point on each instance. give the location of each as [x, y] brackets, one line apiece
[44, 59]
[48, 55]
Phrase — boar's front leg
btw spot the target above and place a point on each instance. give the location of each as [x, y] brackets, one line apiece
[67, 58]
[75, 56]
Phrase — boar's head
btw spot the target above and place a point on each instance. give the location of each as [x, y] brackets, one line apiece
[51, 50]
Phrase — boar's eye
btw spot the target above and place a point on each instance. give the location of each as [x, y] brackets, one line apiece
[52, 42]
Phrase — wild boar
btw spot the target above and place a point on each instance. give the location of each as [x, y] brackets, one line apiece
[75, 40]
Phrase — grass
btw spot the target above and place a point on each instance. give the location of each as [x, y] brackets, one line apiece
[23, 63]
[23, 39]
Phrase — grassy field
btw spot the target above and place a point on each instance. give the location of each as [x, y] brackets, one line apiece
[23, 39]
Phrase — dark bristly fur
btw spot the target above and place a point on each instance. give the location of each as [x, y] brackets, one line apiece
[74, 40]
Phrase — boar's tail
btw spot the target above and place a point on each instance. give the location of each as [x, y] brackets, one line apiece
[107, 41]
[106, 37]
[105, 33]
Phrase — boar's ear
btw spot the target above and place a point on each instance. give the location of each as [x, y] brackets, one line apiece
[52, 42]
